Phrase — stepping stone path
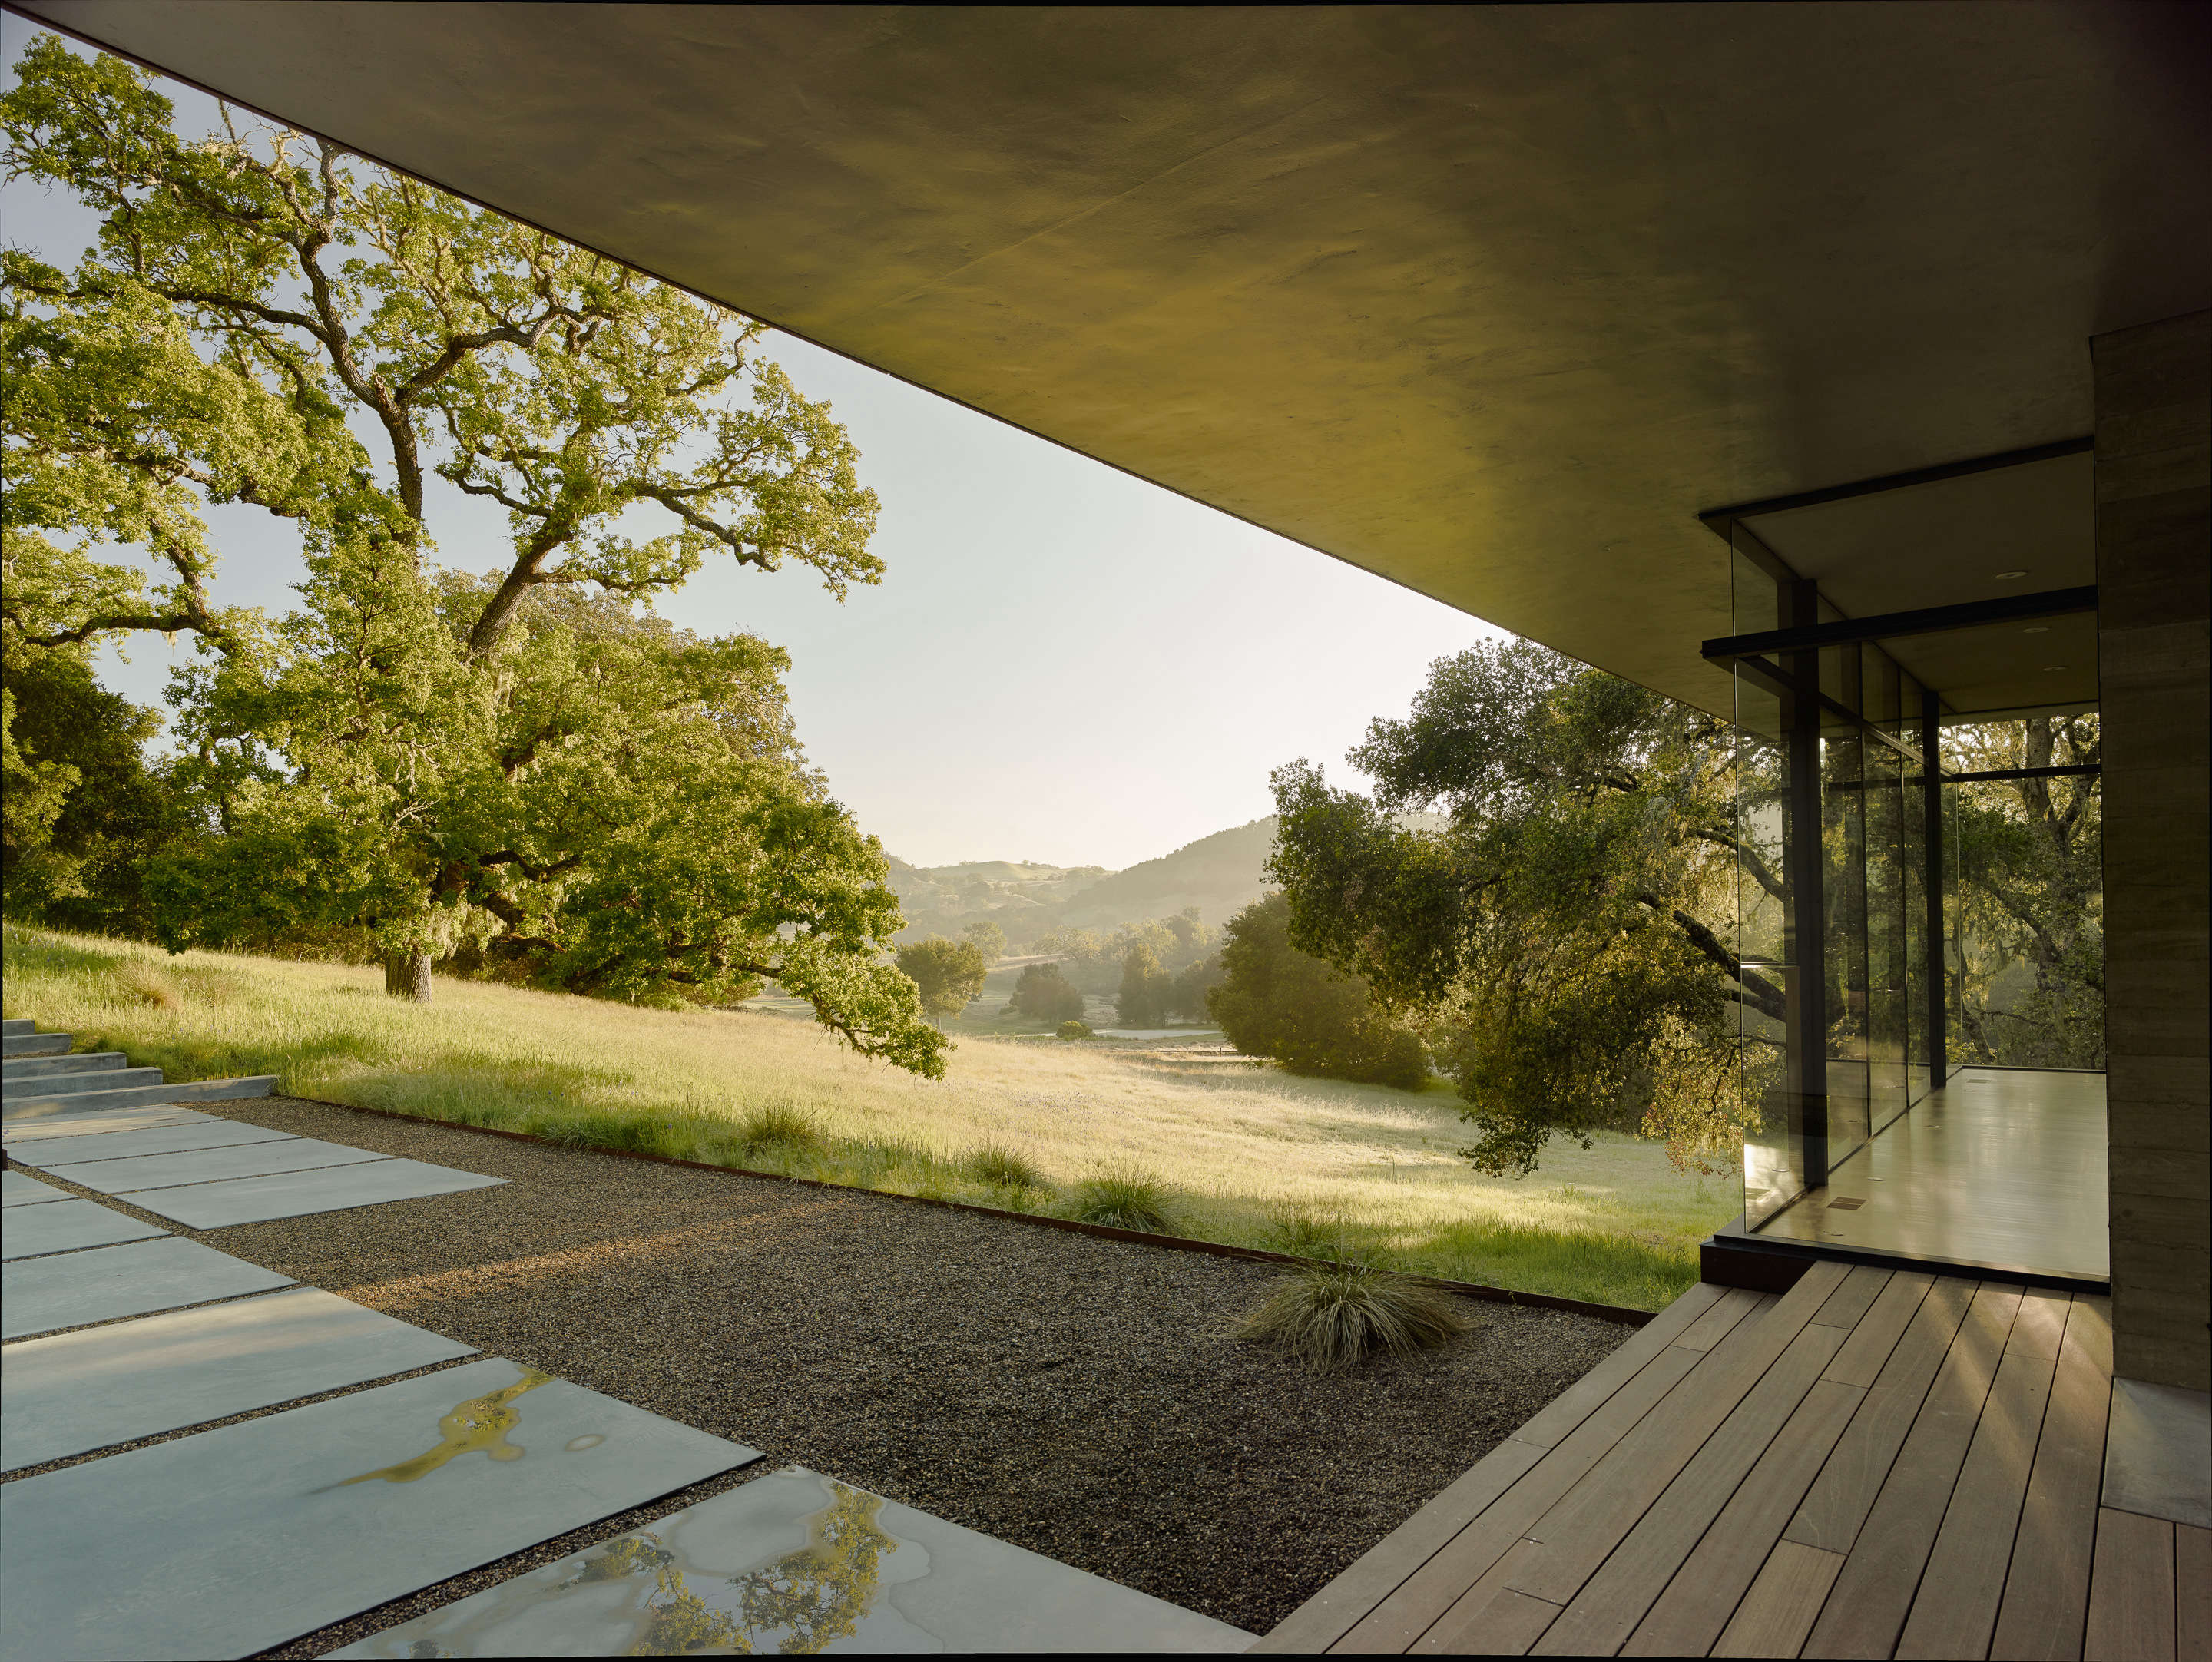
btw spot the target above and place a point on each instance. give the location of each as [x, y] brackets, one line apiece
[229, 1540]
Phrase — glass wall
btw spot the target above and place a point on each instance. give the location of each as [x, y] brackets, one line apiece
[1831, 895]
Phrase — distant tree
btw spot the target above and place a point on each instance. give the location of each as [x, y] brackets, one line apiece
[1276, 1001]
[1143, 1001]
[948, 974]
[989, 939]
[1044, 994]
[1188, 992]
[1189, 929]
[1075, 1030]
[83, 812]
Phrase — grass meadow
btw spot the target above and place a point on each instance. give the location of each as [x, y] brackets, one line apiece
[1241, 1154]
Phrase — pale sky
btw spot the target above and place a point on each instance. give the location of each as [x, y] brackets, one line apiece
[1062, 663]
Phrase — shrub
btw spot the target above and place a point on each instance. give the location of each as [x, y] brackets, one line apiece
[1003, 1168]
[1331, 1318]
[1075, 1030]
[1122, 1197]
[776, 1125]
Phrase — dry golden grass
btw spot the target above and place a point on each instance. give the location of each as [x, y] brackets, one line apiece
[1246, 1154]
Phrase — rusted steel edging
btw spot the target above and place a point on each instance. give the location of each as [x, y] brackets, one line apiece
[1104, 1232]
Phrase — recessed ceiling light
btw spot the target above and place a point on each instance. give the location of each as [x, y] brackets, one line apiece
[2036, 629]
[2007, 577]
[2049, 668]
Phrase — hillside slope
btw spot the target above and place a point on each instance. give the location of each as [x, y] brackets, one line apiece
[1218, 874]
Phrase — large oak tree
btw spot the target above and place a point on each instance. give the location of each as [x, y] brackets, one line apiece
[438, 761]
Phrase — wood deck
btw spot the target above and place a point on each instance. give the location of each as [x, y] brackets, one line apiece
[1876, 1463]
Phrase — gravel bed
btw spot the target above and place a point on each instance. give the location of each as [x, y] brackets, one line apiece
[1081, 1397]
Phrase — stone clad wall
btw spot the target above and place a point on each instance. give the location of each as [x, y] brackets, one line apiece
[2154, 461]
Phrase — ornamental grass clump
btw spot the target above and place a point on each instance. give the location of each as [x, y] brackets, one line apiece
[1335, 1317]
[1003, 1168]
[776, 1127]
[1122, 1197]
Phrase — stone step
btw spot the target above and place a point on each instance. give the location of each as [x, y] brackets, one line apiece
[79, 1083]
[39, 1067]
[19, 1109]
[34, 1044]
[15, 1025]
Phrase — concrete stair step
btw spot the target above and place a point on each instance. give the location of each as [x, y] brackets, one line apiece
[79, 1083]
[41, 1067]
[34, 1044]
[195, 1090]
[15, 1025]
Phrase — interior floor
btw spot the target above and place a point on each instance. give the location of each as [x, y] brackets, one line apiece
[2001, 1168]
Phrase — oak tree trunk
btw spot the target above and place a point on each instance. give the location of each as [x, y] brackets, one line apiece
[407, 975]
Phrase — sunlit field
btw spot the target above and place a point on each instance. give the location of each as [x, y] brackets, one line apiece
[1248, 1155]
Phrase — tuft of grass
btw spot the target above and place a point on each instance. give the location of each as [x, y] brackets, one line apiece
[1305, 1231]
[1003, 1168]
[776, 1127]
[1332, 1318]
[150, 984]
[1122, 1197]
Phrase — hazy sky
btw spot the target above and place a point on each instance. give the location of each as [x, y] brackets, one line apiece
[1062, 663]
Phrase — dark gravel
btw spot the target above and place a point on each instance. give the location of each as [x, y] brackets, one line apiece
[1081, 1397]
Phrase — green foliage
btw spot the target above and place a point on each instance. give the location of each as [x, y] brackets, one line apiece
[79, 810]
[1076, 1030]
[1274, 1000]
[1335, 1317]
[1122, 1197]
[1096, 961]
[988, 938]
[1187, 994]
[1144, 987]
[1042, 994]
[513, 768]
[1557, 932]
[2026, 965]
[1003, 1168]
[947, 974]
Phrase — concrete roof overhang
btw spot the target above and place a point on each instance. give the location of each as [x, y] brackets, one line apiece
[1490, 301]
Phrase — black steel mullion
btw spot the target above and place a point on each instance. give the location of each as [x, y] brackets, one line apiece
[1891, 626]
[1806, 1040]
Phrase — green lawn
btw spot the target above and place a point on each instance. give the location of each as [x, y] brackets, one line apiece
[1250, 1156]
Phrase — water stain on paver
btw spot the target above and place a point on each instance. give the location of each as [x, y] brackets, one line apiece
[477, 1425]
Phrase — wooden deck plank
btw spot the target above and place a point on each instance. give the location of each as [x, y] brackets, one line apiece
[2041, 1324]
[1587, 1394]
[1459, 1630]
[1330, 1614]
[1851, 1301]
[1860, 1361]
[2046, 1596]
[1778, 1610]
[2131, 1591]
[1493, 1620]
[1690, 1615]
[1844, 1493]
[1610, 1603]
[1866, 1609]
[2192, 1583]
[1413, 1607]
[1709, 1329]
[1579, 1531]
[1955, 1611]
